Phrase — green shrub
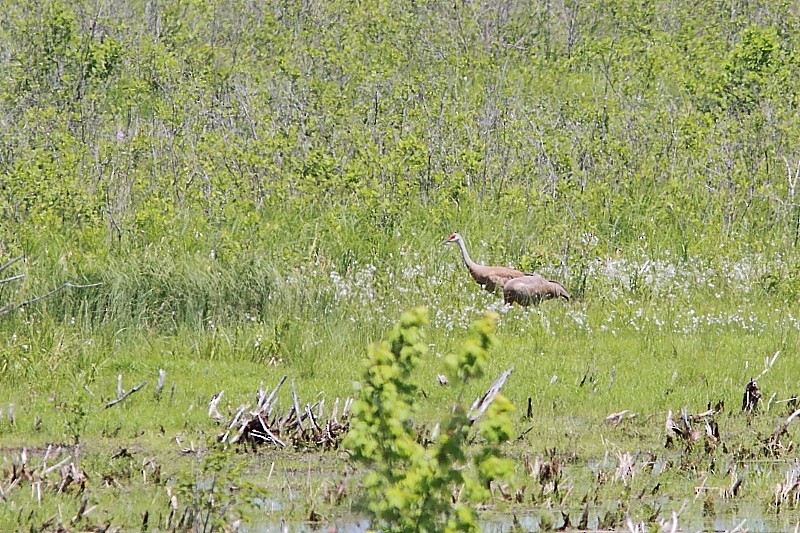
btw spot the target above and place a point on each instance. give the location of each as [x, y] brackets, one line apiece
[411, 487]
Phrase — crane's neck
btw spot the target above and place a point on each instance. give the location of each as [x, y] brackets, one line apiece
[465, 255]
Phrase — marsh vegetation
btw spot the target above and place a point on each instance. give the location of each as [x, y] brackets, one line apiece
[203, 197]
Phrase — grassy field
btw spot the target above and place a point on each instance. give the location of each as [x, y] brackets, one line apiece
[234, 192]
[647, 337]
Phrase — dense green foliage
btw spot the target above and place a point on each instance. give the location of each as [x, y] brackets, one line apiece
[253, 189]
[206, 125]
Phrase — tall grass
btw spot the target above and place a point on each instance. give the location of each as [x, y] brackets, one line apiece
[699, 327]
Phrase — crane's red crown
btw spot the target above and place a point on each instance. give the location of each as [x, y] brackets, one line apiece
[452, 236]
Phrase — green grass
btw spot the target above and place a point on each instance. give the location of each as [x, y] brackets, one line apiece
[650, 346]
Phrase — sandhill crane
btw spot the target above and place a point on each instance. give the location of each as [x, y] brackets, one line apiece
[532, 289]
[489, 277]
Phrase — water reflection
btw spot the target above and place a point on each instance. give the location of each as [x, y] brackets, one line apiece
[532, 522]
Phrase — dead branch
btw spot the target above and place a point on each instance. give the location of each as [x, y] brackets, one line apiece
[237, 417]
[298, 414]
[267, 405]
[615, 418]
[310, 416]
[685, 428]
[481, 404]
[162, 379]
[347, 404]
[284, 428]
[10, 308]
[124, 395]
[46, 471]
[773, 444]
[213, 412]
[269, 434]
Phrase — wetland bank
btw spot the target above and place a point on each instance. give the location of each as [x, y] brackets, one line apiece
[200, 198]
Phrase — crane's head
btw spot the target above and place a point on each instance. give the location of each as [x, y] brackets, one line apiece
[454, 237]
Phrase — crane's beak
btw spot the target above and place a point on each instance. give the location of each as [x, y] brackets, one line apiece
[446, 241]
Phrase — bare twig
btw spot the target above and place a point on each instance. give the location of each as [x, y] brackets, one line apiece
[46, 471]
[238, 416]
[739, 527]
[768, 364]
[125, 395]
[267, 405]
[10, 308]
[11, 262]
[771, 399]
[12, 278]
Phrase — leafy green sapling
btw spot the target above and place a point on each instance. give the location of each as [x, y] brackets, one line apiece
[411, 487]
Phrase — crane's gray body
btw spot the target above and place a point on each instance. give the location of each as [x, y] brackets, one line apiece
[532, 289]
[518, 287]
